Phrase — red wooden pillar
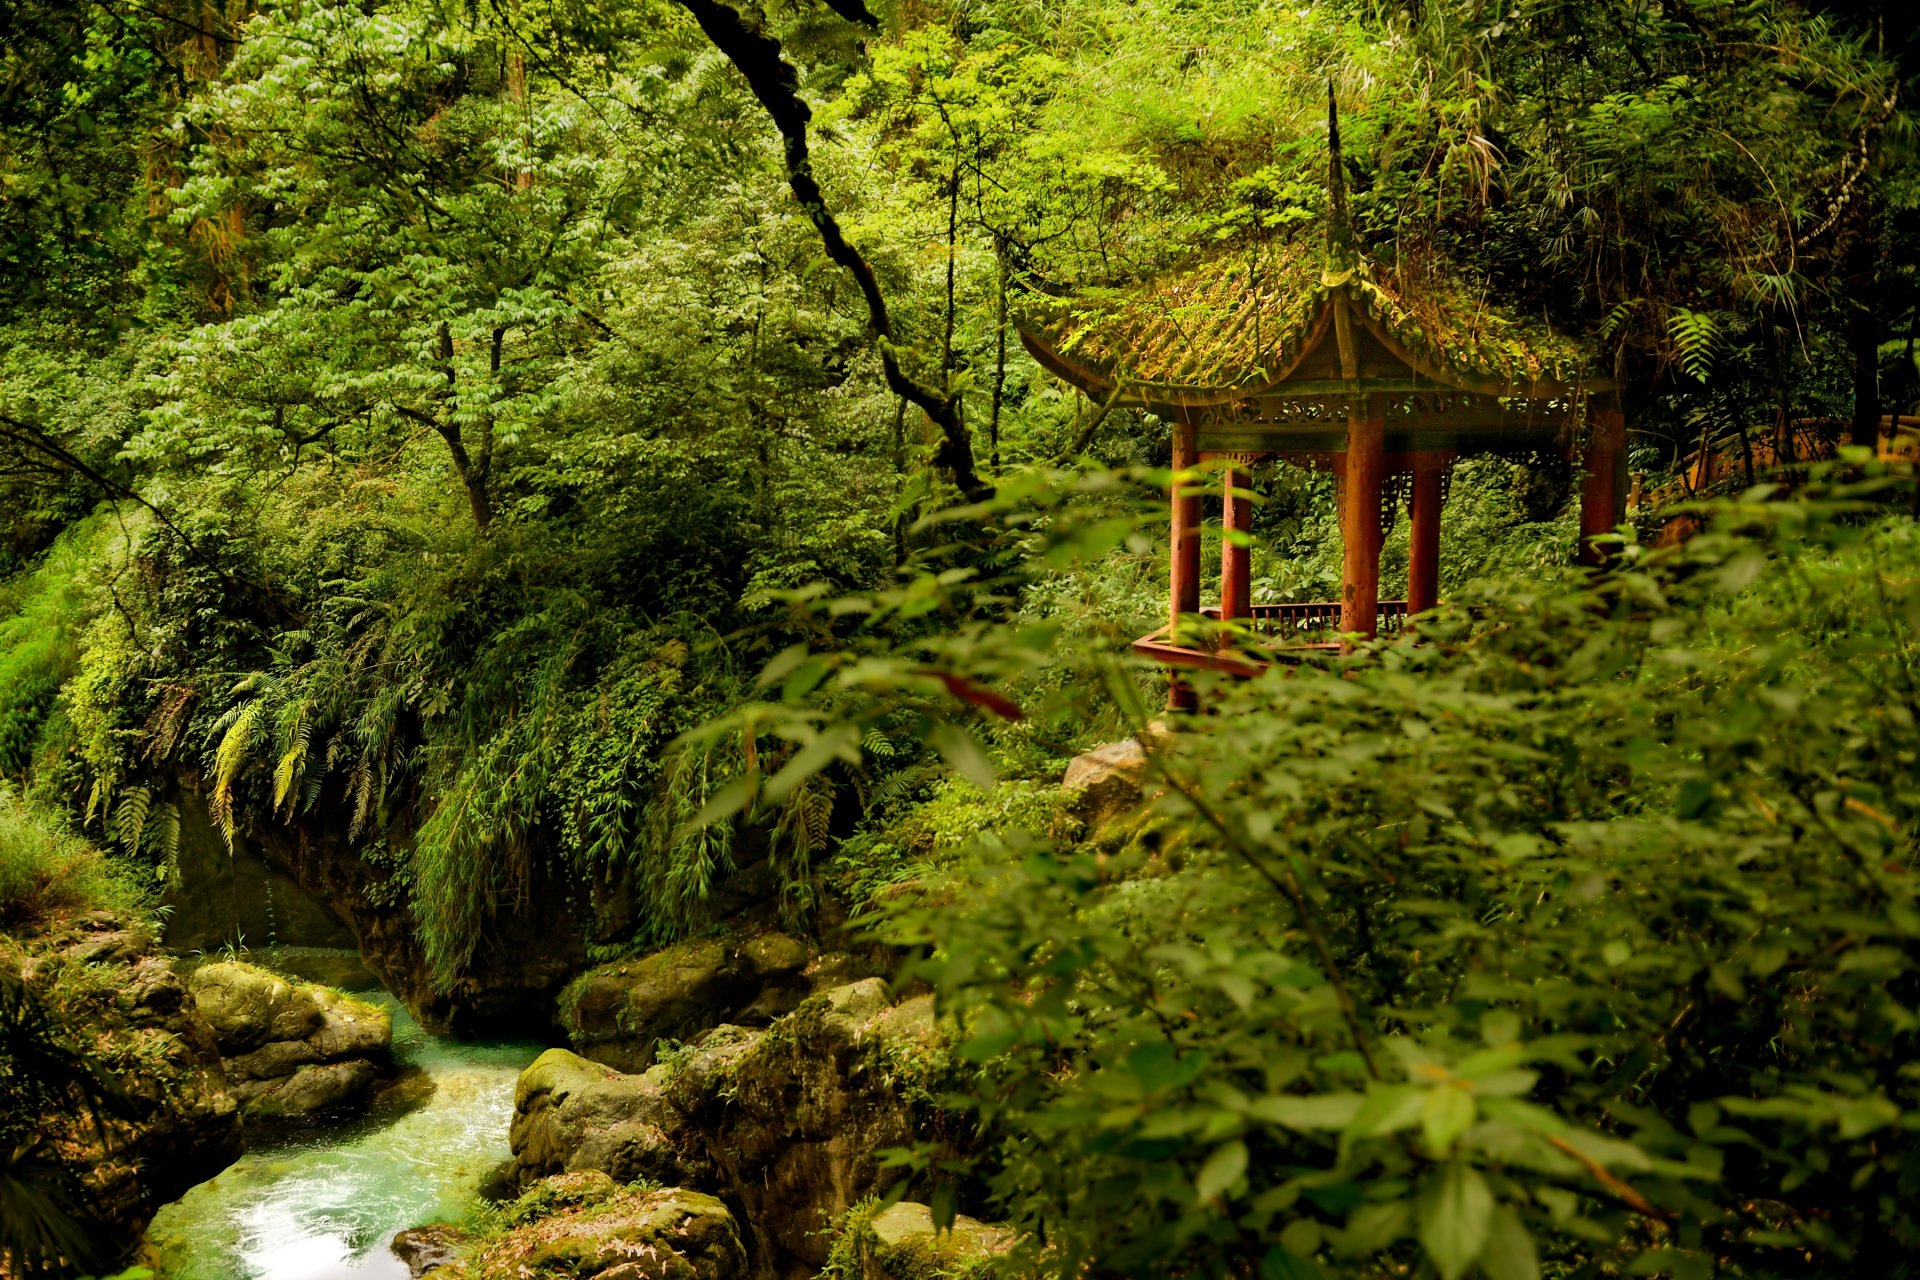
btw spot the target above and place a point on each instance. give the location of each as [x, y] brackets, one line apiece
[1602, 493]
[1236, 556]
[1184, 596]
[1423, 564]
[1366, 467]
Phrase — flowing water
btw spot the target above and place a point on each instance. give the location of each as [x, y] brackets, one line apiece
[325, 1206]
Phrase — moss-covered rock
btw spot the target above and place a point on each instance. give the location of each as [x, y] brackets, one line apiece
[618, 1013]
[900, 1242]
[785, 1122]
[572, 1114]
[178, 1124]
[292, 1051]
[631, 1234]
[247, 1006]
[622, 1013]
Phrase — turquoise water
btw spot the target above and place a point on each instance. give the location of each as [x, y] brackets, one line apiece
[325, 1207]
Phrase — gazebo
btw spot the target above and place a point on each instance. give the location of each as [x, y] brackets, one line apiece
[1316, 355]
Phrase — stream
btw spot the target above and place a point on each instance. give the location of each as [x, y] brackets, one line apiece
[326, 1205]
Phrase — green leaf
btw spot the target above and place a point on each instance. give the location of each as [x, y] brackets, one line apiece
[836, 742]
[1387, 1111]
[1222, 1169]
[1445, 1116]
[1375, 1226]
[1283, 1264]
[726, 801]
[1316, 1111]
[964, 752]
[1456, 1214]
[1510, 1253]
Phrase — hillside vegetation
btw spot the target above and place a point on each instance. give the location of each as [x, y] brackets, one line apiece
[562, 477]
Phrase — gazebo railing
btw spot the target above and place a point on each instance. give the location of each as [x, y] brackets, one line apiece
[1285, 633]
[1296, 620]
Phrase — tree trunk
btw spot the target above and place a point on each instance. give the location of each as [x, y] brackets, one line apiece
[1863, 327]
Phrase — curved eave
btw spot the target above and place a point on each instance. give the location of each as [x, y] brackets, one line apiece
[1143, 393]
[1147, 394]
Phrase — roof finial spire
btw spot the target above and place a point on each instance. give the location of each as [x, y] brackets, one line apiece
[1339, 232]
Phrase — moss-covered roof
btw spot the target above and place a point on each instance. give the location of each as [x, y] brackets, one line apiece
[1237, 323]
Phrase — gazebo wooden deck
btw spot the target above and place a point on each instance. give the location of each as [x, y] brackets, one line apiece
[1316, 355]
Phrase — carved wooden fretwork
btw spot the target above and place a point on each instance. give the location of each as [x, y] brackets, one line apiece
[1443, 406]
[1396, 491]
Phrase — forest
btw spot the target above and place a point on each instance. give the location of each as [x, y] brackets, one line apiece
[910, 639]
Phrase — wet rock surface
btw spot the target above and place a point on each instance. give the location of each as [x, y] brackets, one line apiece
[430, 1248]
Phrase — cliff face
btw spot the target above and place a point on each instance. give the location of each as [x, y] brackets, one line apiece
[535, 946]
[111, 991]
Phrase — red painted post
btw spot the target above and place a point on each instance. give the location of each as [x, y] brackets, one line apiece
[1184, 557]
[1360, 525]
[1236, 557]
[1605, 461]
[1423, 564]
[1185, 594]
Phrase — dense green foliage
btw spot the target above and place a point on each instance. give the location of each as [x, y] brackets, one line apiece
[1578, 933]
[462, 381]
[435, 433]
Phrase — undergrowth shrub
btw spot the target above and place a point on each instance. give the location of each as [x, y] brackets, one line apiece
[43, 871]
[1577, 934]
[45, 608]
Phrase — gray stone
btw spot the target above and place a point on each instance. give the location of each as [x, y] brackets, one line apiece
[858, 1001]
[1106, 782]
[310, 1091]
[673, 1234]
[425, 1249]
[902, 1243]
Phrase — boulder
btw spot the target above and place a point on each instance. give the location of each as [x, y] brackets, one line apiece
[573, 1114]
[428, 1248]
[901, 1243]
[619, 1013]
[246, 1006]
[176, 1125]
[785, 1122]
[1106, 782]
[671, 1234]
[314, 1090]
[775, 955]
[292, 1051]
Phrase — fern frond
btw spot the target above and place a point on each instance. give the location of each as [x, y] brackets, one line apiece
[296, 732]
[1697, 336]
[163, 838]
[228, 760]
[130, 817]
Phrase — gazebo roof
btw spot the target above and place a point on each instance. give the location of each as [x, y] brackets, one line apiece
[1235, 326]
[1246, 338]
